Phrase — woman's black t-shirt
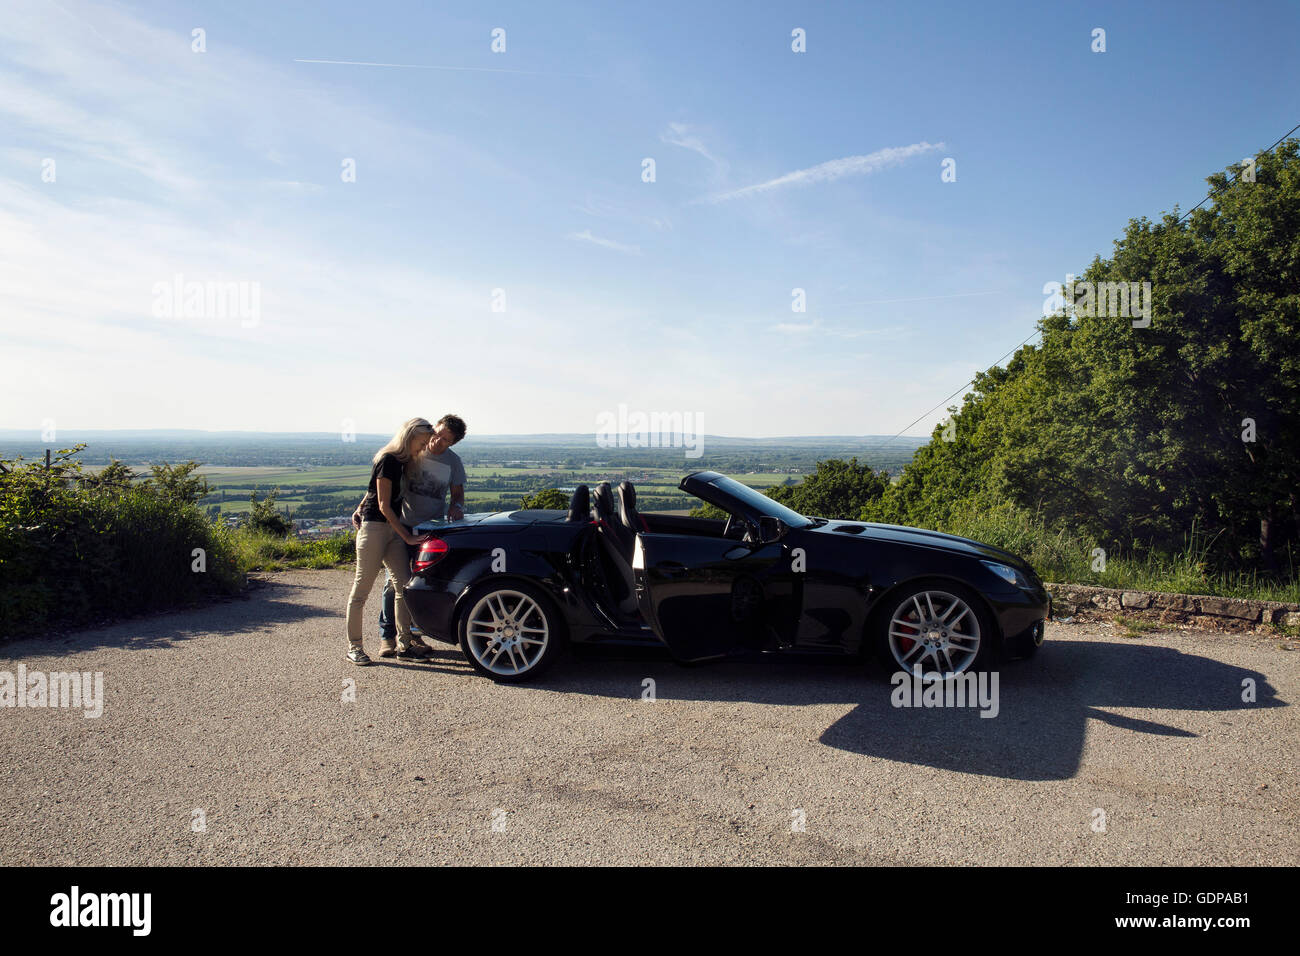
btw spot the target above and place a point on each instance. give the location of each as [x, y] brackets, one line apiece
[387, 467]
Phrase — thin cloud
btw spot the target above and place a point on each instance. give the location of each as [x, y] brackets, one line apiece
[586, 236]
[831, 171]
[602, 208]
[679, 134]
[830, 331]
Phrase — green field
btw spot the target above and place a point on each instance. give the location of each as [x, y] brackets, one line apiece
[317, 477]
[324, 491]
[324, 474]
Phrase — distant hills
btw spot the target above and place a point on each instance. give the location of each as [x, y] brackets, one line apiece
[29, 436]
[729, 454]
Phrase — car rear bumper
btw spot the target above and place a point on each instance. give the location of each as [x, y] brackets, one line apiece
[432, 608]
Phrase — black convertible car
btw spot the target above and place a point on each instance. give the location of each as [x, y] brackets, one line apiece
[512, 587]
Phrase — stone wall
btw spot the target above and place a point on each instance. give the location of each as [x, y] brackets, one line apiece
[1071, 599]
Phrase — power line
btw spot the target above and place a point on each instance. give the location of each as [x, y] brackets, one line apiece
[964, 386]
[1233, 182]
[1036, 331]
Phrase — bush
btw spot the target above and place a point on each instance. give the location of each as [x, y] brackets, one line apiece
[262, 518]
[552, 498]
[1072, 558]
[75, 550]
[177, 481]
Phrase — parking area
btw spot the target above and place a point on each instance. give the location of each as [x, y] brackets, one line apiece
[231, 734]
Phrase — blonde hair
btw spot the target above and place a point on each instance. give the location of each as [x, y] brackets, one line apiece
[401, 441]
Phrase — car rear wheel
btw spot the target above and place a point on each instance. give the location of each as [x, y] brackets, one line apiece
[935, 631]
[510, 632]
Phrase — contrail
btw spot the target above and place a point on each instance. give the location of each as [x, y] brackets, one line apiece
[830, 171]
[919, 298]
[424, 66]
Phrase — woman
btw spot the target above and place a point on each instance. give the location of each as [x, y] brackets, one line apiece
[382, 538]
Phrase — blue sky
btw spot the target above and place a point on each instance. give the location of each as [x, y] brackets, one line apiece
[522, 171]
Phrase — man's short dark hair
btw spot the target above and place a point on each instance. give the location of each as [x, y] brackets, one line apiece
[455, 424]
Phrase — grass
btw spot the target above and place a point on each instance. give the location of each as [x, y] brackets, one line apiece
[243, 475]
[1069, 559]
[264, 552]
[1135, 627]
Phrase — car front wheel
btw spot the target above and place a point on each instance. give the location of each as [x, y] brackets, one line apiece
[936, 631]
[509, 632]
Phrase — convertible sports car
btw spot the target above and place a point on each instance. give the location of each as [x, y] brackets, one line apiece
[512, 587]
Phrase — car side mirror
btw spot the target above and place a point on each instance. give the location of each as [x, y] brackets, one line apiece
[771, 529]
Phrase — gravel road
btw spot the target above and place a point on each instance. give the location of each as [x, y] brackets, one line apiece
[225, 738]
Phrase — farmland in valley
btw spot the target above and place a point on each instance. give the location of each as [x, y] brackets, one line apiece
[319, 476]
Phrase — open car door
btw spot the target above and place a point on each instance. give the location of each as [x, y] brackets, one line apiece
[701, 595]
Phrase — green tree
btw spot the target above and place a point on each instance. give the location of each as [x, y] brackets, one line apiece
[264, 518]
[114, 475]
[1136, 435]
[837, 489]
[552, 499]
[179, 482]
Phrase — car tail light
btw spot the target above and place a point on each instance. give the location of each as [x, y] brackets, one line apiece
[432, 550]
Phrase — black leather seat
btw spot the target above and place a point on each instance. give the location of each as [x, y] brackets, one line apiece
[618, 566]
[632, 520]
[580, 504]
[602, 502]
[623, 537]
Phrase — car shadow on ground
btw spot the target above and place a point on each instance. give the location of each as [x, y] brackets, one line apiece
[1043, 704]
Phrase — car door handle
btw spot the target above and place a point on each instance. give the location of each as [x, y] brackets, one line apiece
[671, 569]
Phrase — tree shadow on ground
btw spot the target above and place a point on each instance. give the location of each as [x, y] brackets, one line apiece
[260, 609]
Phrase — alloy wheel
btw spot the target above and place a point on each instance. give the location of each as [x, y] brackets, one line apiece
[507, 632]
[934, 634]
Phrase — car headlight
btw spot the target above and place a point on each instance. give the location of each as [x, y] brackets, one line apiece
[1007, 573]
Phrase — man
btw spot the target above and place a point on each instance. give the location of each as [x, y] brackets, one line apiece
[437, 489]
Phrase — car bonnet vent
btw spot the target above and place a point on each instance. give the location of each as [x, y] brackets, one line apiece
[850, 528]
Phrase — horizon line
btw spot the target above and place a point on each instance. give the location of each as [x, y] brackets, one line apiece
[13, 433]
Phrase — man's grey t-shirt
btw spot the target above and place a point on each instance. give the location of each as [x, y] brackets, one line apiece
[425, 494]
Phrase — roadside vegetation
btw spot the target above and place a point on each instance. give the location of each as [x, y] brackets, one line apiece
[1174, 445]
[1158, 451]
[261, 551]
[78, 548]
[1077, 558]
[1135, 626]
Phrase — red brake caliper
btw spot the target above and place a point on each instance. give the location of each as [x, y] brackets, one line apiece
[905, 643]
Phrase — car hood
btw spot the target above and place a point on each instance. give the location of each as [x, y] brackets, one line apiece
[921, 538]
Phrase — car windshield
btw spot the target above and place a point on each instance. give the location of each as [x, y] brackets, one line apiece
[761, 502]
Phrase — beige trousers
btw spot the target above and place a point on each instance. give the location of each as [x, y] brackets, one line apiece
[378, 547]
